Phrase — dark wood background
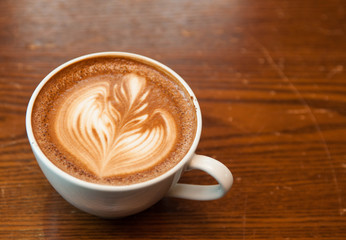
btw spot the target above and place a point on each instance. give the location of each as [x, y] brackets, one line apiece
[270, 77]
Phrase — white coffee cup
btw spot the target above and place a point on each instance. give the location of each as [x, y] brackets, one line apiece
[119, 201]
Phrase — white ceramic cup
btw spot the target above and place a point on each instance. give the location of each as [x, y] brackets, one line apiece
[119, 201]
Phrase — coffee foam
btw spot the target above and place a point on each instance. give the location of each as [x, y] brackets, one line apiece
[113, 140]
[113, 121]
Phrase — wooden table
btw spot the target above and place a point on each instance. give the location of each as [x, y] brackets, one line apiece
[270, 77]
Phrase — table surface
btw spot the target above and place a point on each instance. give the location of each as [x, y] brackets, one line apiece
[271, 82]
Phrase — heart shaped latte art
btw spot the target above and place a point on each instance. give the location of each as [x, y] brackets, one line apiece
[112, 129]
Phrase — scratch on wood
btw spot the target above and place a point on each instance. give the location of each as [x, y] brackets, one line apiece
[284, 78]
[342, 211]
[3, 195]
[297, 111]
[287, 188]
[337, 69]
[306, 111]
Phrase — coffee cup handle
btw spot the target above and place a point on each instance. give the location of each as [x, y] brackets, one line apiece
[204, 192]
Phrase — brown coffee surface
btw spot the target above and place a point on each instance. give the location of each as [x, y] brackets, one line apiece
[113, 121]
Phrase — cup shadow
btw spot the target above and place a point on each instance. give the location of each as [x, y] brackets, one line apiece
[166, 218]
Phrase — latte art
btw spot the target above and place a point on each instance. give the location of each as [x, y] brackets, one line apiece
[111, 129]
[114, 120]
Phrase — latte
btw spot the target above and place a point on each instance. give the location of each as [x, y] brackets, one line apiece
[114, 120]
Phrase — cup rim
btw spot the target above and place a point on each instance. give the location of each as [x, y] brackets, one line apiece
[103, 187]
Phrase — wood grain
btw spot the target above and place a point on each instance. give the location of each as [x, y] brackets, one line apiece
[271, 82]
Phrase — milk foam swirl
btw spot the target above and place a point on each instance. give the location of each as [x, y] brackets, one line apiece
[113, 129]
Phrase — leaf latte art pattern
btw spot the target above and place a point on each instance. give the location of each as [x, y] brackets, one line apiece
[112, 129]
